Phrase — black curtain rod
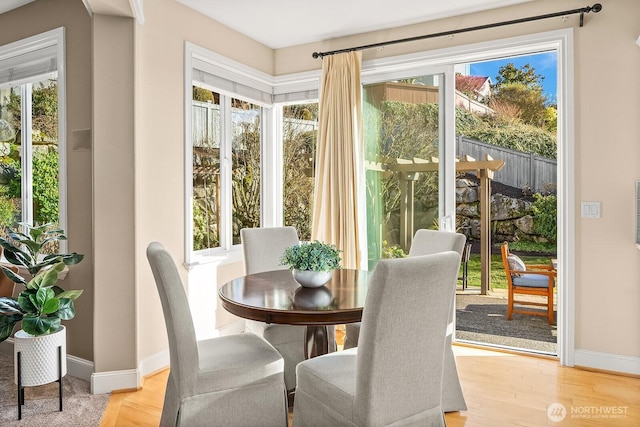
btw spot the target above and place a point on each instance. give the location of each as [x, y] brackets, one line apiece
[595, 8]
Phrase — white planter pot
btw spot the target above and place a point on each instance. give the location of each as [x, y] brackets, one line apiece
[312, 279]
[39, 360]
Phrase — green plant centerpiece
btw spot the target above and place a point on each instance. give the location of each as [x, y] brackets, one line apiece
[312, 263]
[42, 305]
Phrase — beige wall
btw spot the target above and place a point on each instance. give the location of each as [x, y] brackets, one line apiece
[607, 165]
[28, 21]
[113, 182]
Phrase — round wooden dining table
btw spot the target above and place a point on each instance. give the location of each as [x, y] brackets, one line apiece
[275, 297]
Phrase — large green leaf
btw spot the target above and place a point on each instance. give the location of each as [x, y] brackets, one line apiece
[68, 259]
[51, 305]
[46, 278]
[67, 310]
[17, 235]
[36, 325]
[7, 324]
[36, 232]
[72, 295]
[50, 276]
[17, 257]
[37, 267]
[9, 306]
[24, 300]
[43, 295]
[33, 247]
[12, 276]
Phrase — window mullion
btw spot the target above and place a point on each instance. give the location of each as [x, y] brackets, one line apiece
[226, 214]
[26, 152]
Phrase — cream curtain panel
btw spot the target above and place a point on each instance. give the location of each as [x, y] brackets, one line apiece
[339, 176]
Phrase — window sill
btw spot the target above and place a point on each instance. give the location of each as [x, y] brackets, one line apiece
[222, 257]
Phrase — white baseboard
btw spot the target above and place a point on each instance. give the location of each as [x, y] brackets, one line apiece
[79, 368]
[154, 363]
[607, 362]
[130, 379]
[106, 382]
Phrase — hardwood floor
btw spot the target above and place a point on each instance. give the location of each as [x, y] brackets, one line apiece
[501, 389]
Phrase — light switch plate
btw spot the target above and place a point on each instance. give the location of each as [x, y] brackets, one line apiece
[590, 209]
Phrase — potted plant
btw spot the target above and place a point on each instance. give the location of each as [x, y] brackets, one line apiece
[41, 306]
[312, 263]
[27, 249]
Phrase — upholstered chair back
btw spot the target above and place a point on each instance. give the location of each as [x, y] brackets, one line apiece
[183, 348]
[427, 242]
[402, 338]
[263, 247]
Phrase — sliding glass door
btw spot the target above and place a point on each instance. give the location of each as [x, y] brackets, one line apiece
[410, 173]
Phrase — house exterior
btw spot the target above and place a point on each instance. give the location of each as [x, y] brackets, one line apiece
[125, 165]
[470, 90]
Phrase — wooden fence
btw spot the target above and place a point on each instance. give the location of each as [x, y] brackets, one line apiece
[521, 170]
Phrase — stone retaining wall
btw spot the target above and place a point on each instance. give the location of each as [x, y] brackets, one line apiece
[511, 217]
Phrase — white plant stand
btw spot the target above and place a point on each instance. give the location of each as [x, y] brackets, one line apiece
[39, 360]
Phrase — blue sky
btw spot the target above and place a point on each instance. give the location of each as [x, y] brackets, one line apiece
[545, 64]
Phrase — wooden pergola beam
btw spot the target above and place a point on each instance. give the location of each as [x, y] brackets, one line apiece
[408, 174]
[422, 165]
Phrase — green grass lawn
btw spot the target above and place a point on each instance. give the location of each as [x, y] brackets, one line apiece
[498, 278]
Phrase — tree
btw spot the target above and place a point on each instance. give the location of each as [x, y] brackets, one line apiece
[518, 95]
[203, 95]
[525, 75]
[529, 103]
[300, 139]
[551, 119]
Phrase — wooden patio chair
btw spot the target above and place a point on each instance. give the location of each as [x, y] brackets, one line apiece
[531, 279]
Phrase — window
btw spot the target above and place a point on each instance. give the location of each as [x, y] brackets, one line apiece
[402, 121]
[32, 132]
[249, 151]
[299, 137]
[212, 114]
[229, 118]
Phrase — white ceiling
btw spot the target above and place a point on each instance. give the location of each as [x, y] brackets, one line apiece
[7, 5]
[283, 23]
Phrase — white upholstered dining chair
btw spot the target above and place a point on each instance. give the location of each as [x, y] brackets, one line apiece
[395, 375]
[234, 380]
[427, 242]
[262, 249]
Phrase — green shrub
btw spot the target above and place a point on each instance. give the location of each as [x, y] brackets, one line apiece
[545, 216]
[7, 209]
[45, 187]
[393, 251]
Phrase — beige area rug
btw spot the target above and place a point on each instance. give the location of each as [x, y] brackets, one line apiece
[79, 407]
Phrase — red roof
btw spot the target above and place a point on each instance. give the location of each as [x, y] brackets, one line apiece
[470, 83]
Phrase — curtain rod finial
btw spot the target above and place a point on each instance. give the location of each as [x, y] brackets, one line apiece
[316, 55]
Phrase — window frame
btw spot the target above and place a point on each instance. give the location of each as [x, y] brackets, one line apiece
[44, 47]
[260, 89]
